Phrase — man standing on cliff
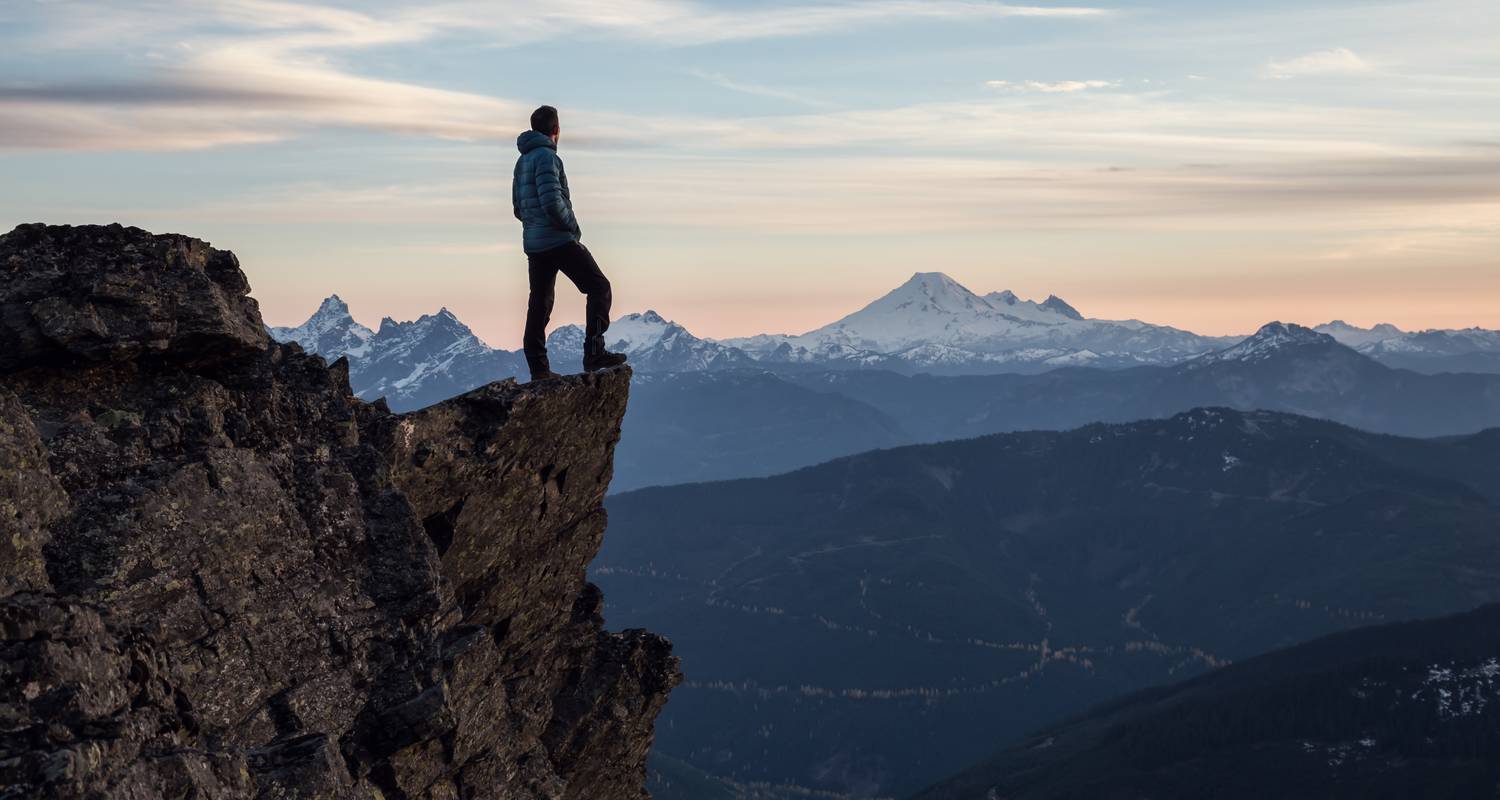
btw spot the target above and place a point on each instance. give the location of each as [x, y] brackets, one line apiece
[550, 234]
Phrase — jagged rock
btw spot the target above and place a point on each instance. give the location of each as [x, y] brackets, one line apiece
[96, 293]
[226, 577]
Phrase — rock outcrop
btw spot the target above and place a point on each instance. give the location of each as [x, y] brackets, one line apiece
[223, 576]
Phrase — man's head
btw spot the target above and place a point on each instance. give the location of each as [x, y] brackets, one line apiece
[544, 120]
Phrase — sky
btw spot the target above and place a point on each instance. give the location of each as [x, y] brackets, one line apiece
[768, 167]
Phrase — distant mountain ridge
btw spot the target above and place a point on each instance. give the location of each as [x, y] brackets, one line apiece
[930, 323]
[872, 624]
[1282, 367]
[706, 411]
[1432, 350]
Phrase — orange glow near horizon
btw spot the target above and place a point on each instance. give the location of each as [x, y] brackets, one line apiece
[1223, 306]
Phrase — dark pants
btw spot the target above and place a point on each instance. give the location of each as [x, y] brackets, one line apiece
[574, 261]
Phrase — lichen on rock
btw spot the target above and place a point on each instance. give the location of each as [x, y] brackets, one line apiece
[223, 576]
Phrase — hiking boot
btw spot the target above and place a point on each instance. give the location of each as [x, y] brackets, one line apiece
[602, 360]
[543, 374]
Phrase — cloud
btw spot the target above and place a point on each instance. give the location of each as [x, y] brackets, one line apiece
[684, 23]
[1054, 87]
[881, 195]
[89, 23]
[226, 105]
[1106, 127]
[723, 81]
[231, 72]
[1338, 61]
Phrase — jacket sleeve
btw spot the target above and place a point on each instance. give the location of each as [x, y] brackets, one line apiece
[515, 192]
[550, 191]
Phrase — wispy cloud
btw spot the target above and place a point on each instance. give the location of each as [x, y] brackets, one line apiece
[725, 82]
[1052, 87]
[250, 71]
[682, 22]
[668, 22]
[1338, 61]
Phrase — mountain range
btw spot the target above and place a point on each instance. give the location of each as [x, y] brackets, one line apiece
[739, 423]
[873, 624]
[410, 364]
[1465, 350]
[930, 324]
[705, 410]
[1281, 367]
[415, 364]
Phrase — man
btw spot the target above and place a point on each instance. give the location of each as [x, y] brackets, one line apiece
[550, 234]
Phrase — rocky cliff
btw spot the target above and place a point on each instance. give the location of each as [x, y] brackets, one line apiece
[223, 576]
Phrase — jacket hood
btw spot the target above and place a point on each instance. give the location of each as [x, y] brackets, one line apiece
[531, 140]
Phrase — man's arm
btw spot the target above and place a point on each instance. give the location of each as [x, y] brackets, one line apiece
[515, 191]
[549, 190]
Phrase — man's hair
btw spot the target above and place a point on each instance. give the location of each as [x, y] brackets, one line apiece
[544, 120]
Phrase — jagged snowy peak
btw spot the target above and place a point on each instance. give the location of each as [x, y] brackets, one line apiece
[1429, 351]
[435, 356]
[635, 333]
[330, 332]
[411, 364]
[1047, 311]
[1386, 338]
[1438, 342]
[1057, 304]
[443, 325]
[1272, 339]
[431, 338]
[1357, 337]
[565, 339]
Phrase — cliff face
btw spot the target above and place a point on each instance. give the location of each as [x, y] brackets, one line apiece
[222, 576]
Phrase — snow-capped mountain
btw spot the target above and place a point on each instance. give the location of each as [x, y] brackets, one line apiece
[413, 364]
[932, 321]
[1294, 368]
[1273, 338]
[330, 332]
[1433, 350]
[437, 356]
[654, 344]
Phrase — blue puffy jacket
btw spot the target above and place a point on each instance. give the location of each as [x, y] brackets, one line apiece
[539, 195]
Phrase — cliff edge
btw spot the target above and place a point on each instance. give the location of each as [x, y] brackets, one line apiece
[222, 576]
